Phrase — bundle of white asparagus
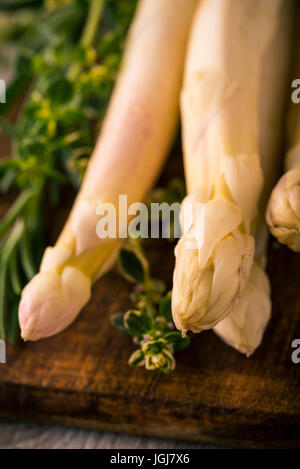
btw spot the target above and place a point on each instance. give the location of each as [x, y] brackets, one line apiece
[236, 64]
[134, 142]
[232, 109]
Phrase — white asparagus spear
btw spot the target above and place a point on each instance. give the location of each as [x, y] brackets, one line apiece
[244, 327]
[283, 212]
[134, 142]
[229, 132]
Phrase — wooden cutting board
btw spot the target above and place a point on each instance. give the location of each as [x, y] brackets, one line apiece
[81, 377]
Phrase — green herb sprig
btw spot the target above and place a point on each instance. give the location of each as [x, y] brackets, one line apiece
[56, 132]
[150, 322]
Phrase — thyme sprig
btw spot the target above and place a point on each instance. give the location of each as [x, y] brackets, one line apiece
[150, 322]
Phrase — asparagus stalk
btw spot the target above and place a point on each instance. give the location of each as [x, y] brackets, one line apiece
[230, 135]
[244, 327]
[283, 211]
[134, 141]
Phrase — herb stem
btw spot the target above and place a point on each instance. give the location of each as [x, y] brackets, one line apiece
[89, 31]
[15, 280]
[26, 256]
[90, 28]
[7, 252]
[15, 210]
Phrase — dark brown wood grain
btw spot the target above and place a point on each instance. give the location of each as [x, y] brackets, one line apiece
[81, 377]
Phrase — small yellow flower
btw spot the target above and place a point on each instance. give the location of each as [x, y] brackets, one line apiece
[94, 75]
[45, 104]
[51, 128]
[43, 113]
[36, 96]
[91, 55]
[98, 72]
[29, 163]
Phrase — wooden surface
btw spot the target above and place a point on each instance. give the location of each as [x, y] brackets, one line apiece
[81, 377]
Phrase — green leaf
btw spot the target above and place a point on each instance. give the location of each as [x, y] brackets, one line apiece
[26, 257]
[14, 275]
[12, 241]
[6, 253]
[175, 338]
[137, 323]
[60, 91]
[117, 320]
[132, 266]
[53, 173]
[9, 163]
[15, 210]
[165, 307]
[137, 358]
